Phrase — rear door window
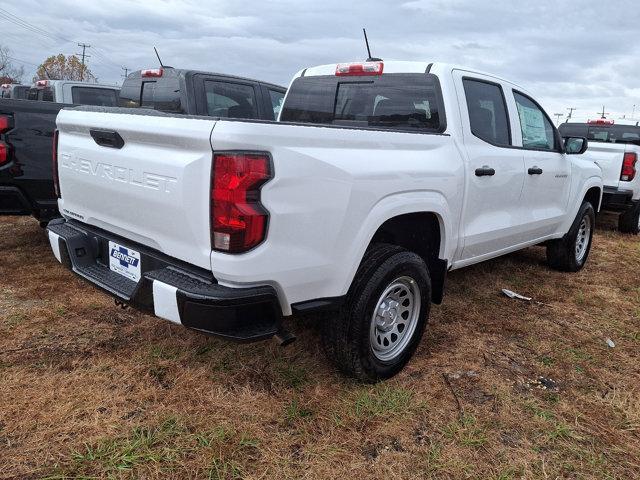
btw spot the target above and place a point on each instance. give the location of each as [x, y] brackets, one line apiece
[233, 100]
[392, 101]
[488, 116]
[104, 97]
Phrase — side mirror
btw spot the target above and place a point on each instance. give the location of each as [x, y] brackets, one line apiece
[575, 145]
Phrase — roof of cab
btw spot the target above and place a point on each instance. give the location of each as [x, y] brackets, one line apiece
[401, 66]
[184, 72]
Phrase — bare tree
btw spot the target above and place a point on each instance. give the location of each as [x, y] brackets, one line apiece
[9, 72]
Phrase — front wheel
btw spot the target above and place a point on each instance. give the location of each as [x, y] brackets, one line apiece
[570, 253]
[383, 318]
[629, 221]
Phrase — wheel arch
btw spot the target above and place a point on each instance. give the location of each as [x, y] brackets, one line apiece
[421, 232]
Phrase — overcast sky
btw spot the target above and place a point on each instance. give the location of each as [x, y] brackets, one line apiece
[578, 53]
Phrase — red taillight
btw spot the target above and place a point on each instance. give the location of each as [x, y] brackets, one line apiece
[4, 153]
[238, 219]
[152, 72]
[5, 126]
[600, 121]
[628, 167]
[42, 83]
[366, 68]
[5, 123]
[56, 179]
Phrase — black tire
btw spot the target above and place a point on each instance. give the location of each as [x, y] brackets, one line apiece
[347, 335]
[629, 221]
[561, 253]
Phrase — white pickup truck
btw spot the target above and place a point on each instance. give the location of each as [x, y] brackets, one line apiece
[615, 147]
[377, 179]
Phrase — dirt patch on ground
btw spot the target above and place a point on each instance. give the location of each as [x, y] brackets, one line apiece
[499, 388]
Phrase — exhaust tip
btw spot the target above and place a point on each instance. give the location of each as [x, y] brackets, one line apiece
[284, 337]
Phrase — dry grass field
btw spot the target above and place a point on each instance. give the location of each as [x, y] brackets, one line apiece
[499, 389]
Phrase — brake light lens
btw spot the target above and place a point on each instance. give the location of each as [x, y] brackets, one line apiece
[628, 167]
[153, 72]
[5, 123]
[5, 126]
[366, 68]
[238, 219]
[54, 163]
[42, 83]
[600, 121]
[4, 153]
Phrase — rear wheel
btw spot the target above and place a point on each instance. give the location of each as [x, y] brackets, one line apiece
[629, 221]
[570, 253]
[383, 318]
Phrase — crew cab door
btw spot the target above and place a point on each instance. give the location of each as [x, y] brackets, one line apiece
[545, 195]
[491, 218]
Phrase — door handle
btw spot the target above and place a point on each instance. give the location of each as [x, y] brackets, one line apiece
[535, 171]
[485, 171]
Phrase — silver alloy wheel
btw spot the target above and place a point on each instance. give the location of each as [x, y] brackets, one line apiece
[395, 318]
[582, 239]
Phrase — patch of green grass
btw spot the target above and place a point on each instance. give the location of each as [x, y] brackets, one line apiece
[466, 432]
[143, 445]
[221, 469]
[547, 361]
[294, 411]
[539, 412]
[292, 375]
[163, 352]
[219, 434]
[578, 354]
[382, 400]
[60, 310]
[15, 319]
[560, 431]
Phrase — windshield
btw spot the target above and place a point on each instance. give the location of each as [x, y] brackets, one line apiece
[392, 101]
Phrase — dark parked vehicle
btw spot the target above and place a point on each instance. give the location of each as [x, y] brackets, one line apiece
[27, 127]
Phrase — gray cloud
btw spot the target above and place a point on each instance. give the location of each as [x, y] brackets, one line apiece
[568, 53]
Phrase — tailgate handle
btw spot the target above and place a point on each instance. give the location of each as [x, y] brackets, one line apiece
[105, 138]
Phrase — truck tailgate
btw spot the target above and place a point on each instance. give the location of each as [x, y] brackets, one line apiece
[153, 190]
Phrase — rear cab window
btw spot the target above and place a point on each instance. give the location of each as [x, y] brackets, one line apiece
[104, 97]
[230, 100]
[394, 101]
[602, 133]
[161, 93]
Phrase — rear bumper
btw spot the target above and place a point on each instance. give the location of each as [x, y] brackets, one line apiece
[170, 289]
[617, 200]
[13, 202]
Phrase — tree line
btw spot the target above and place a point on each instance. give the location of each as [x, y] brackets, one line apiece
[55, 67]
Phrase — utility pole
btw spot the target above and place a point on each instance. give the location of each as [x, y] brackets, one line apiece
[126, 72]
[84, 47]
[603, 114]
[571, 110]
[557, 115]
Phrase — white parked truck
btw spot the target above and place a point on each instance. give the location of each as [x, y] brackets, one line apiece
[615, 147]
[377, 179]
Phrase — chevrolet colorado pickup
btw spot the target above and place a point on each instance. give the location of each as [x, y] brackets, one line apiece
[26, 178]
[377, 179]
[615, 148]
